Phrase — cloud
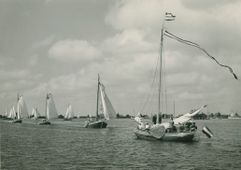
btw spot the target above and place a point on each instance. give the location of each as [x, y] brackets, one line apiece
[206, 4]
[73, 50]
[33, 60]
[43, 43]
[13, 74]
[128, 41]
[134, 14]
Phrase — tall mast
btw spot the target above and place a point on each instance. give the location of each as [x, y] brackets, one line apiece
[167, 17]
[160, 77]
[97, 102]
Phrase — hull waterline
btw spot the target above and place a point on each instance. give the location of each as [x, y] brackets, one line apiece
[171, 137]
[96, 125]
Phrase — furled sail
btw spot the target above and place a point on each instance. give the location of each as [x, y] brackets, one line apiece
[51, 111]
[108, 109]
[69, 112]
[22, 111]
[187, 116]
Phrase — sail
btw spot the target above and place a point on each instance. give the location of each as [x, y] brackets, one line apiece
[22, 111]
[187, 116]
[108, 109]
[51, 111]
[35, 113]
[12, 113]
[69, 112]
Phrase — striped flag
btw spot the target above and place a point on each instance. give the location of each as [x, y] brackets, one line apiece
[207, 132]
[169, 16]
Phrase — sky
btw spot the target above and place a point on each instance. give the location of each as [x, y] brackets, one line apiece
[60, 46]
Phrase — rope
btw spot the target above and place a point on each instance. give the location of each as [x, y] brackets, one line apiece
[190, 43]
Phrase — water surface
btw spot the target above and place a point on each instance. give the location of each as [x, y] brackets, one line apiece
[66, 145]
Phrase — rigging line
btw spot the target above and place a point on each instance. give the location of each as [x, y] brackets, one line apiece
[202, 49]
[164, 87]
[190, 42]
[152, 87]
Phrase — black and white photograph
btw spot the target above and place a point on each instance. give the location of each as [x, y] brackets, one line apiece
[120, 84]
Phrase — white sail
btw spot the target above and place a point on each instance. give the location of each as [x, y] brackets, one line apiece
[69, 112]
[35, 113]
[22, 111]
[108, 109]
[12, 113]
[51, 111]
[187, 116]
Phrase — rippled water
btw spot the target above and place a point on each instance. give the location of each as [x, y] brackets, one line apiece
[66, 145]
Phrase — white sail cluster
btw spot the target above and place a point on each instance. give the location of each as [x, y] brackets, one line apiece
[69, 112]
[108, 109]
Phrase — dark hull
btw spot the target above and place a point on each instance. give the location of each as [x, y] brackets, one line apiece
[45, 123]
[17, 121]
[96, 124]
[67, 119]
[171, 137]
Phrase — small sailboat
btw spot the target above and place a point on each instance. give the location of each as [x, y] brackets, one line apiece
[12, 114]
[35, 113]
[22, 111]
[104, 112]
[50, 110]
[69, 113]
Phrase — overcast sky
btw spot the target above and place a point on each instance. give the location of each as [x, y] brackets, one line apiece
[61, 46]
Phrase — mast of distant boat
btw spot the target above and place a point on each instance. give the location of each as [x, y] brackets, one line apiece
[97, 102]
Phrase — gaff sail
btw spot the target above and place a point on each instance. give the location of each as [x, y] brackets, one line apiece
[51, 111]
[22, 111]
[69, 112]
[12, 113]
[108, 109]
[35, 113]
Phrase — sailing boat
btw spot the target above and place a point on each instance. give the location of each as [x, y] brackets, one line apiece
[69, 113]
[180, 129]
[22, 111]
[35, 113]
[12, 114]
[107, 110]
[50, 110]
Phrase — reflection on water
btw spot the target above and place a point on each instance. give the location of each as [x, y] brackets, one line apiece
[66, 145]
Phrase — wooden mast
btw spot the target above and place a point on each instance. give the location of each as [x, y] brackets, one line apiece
[160, 77]
[97, 102]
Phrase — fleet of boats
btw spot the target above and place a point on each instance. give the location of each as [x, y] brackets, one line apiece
[176, 129]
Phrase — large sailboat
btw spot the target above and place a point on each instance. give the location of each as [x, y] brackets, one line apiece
[104, 109]
[22, 111]
[180, 129]
[50, 110]
[69, 113]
